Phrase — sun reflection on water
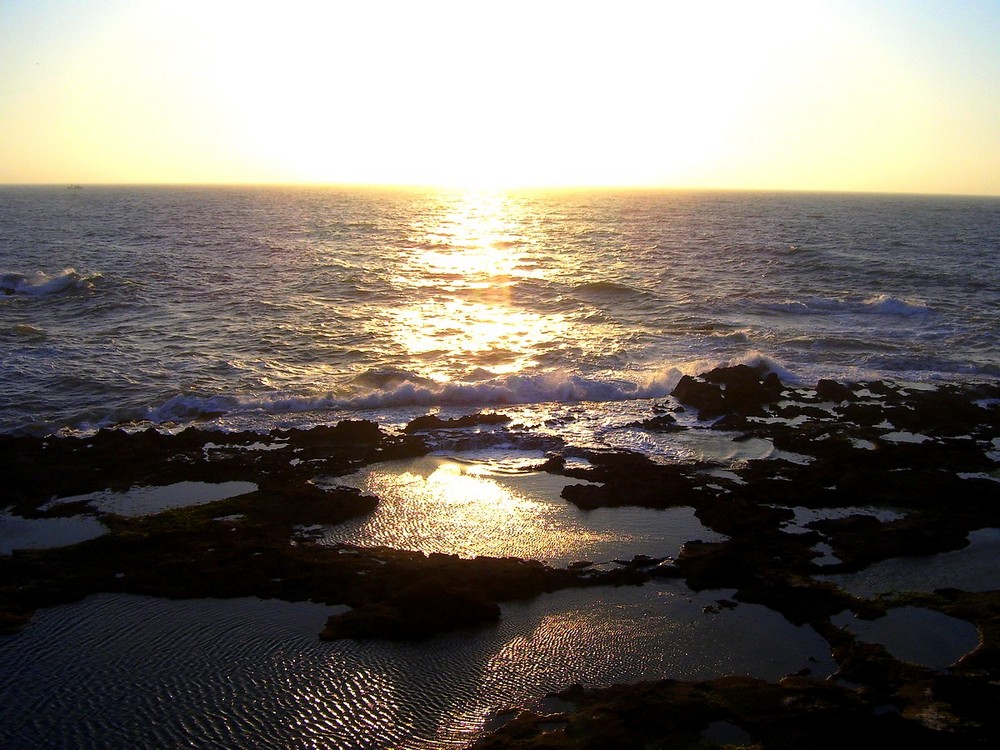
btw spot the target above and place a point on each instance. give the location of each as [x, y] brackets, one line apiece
[467, 262]
[476, 508]
[466, 335]
[441, 505]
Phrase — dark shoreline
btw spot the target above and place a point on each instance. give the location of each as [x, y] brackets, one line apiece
[855, 437]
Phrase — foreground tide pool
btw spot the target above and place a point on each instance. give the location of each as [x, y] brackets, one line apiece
[118, 671]
[284, 604]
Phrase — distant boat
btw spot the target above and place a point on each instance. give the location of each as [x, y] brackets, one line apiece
[74, 187]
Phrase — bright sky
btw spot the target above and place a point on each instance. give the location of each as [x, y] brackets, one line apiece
[881, 95]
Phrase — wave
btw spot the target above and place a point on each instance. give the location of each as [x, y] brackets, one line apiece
[880, 304]
[398, 389]
[554, 386]
[883, 303]
[608, 288]
[395, 391]
[40, 284]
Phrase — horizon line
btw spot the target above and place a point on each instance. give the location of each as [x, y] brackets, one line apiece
[497, 188]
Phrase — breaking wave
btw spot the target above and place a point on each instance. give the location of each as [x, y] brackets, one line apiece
[880, 304]
[40, 284]
[401, 391]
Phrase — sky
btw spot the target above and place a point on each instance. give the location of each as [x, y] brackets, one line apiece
[856, 95]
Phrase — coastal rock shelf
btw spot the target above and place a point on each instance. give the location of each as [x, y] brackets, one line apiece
[842, 476]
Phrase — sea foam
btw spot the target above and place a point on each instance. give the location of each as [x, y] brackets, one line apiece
[41, 284]
[880, 304]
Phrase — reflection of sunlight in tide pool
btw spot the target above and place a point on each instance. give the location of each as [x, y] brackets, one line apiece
[144, 672]
[439, 505]
[436, 504]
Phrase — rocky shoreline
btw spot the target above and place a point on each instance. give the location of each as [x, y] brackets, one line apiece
[928, 455]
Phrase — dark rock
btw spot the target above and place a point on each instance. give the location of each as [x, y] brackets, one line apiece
[773, 387]
[830, 390]
[863, 414]
[738, 375]
[795, 712]
[741, 391]
[705, 397]
[628, 480]
[434, 422]
[351, 431]
[660, 423]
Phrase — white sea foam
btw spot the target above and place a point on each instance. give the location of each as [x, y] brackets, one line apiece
[883, 303]
[41, 284]
[400, 391]
[880, 304]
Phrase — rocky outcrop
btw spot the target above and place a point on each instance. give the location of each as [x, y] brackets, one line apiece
[434, 422]
[728, 390]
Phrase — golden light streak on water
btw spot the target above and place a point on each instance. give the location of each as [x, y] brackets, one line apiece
[472, 255]
[494, 335]
[440, 505]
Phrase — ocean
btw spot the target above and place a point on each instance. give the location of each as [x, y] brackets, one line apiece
[264, 307]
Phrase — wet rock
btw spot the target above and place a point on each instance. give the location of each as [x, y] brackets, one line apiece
[863, 413]
[724, 390]
[705, 397]
[345, 432]
[434, 422]
[796, 712]
[632, 482]
[660, 423]
[737, 516]
[830, 390]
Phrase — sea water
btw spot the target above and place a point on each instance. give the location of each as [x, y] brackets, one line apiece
[251, 307]
[256, 308]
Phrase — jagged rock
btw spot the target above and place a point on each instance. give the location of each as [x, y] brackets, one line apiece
[724, 390]
[705, 397]
[831, 390]
[660, 423]
[434, 422]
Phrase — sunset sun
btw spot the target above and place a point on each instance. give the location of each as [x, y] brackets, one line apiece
[785, 95]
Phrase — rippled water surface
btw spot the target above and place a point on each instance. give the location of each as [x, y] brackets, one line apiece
[249, 673]
[248, 305]
[438, 504]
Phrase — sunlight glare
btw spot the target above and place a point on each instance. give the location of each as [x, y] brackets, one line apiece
[472, 255]
[452, 508]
